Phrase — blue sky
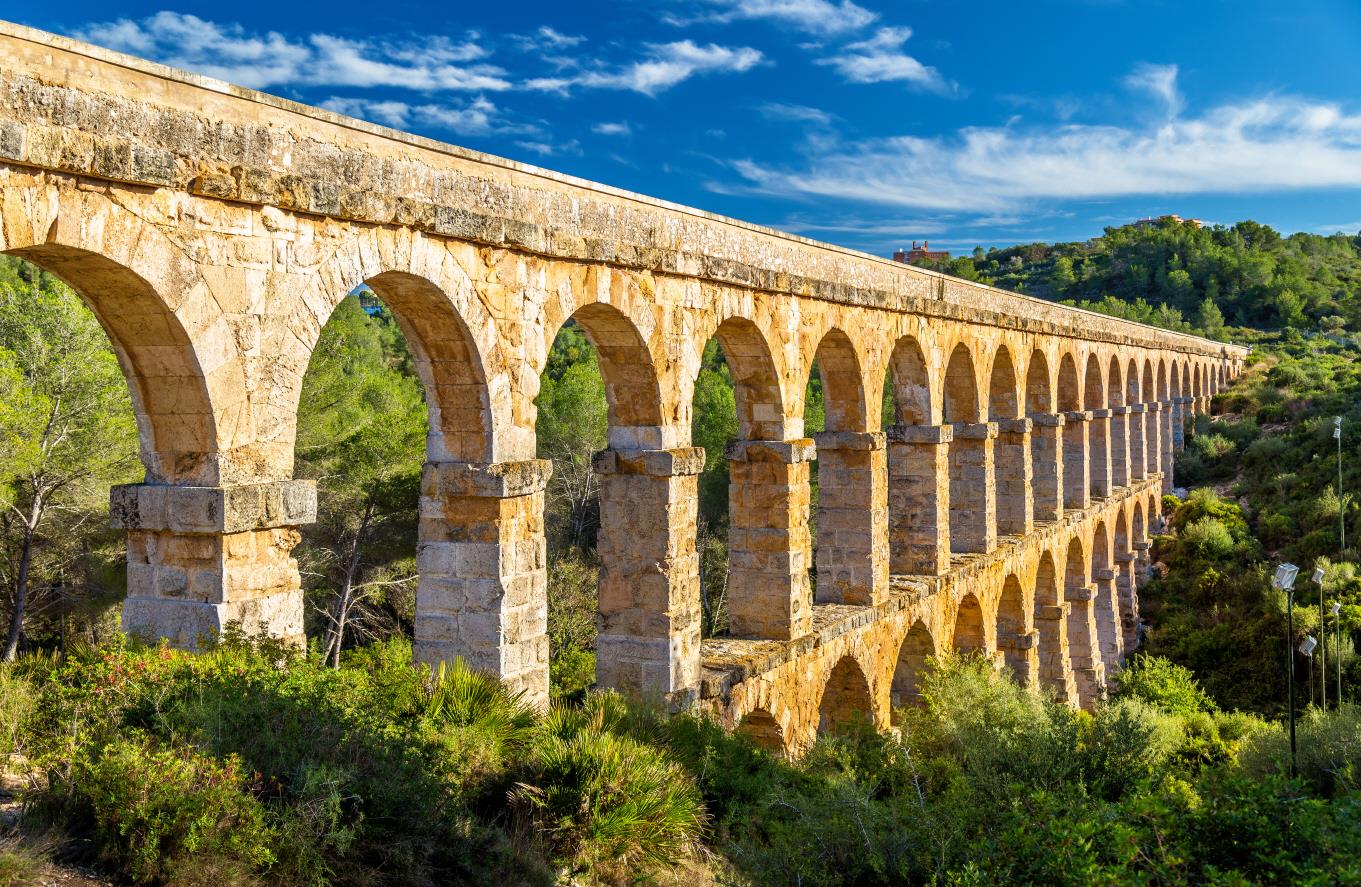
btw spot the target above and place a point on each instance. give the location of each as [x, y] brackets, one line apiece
[861, 123]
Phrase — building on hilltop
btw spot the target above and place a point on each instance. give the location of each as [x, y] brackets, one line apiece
[1168, 219]
[921, 253]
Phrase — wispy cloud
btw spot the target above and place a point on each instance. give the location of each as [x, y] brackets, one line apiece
[813, 16]
[665, 66]
[546, 38]
[545, 148]
[619, 128]
[1267, 144]
[881, 58]
[794, 113]
[477, 117]
[255, 59]
[1159, 81]
[1344, 228]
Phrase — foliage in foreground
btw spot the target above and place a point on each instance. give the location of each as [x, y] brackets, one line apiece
[250, 765]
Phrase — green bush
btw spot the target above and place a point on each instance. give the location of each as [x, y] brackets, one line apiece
[162, 814]
[18, 697]
[1164, 684]
[1329, 750]
[608, 805]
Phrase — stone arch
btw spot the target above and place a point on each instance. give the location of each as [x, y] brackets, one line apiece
[1070, 391]
[756, 381]
[1149, 391]
[1138, 529]
[917, 647]
[448, 364]
[1163, 391]
[970, 634]
[1106, 610]
[1054, 669]
[1093, 387]
[846, 697]
[960, 402]
[631, 385]
[1115, 389]
[843, 383]
[1002, 400]
[126, 271]
[1133, 389]
[1039, 398]
[911, 384]
[1013, 633]
[1082, 645]
[763, 730]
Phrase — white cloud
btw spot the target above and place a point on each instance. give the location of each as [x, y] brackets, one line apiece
[1344, 228]
[612, 129]
[795, 113]
[1160, 81]
[881, 58]
[478, 117]
[550, 149]
[666, 65]
[813, 16]
[260, 60]
[1270, 144]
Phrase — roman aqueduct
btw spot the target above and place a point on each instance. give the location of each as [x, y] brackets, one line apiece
[213, 229]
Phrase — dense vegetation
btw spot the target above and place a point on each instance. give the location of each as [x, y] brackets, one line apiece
[1180, 276]
[344, 764]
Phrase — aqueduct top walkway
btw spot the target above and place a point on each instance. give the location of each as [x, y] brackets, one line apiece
[213, 229]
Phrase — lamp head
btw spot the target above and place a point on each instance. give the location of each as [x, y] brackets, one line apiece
[1318, 575]
[1335, 609]
[1307, 645]
[1285, 576]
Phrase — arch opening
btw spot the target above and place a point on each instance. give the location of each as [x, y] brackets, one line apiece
[845, 699]
[970, 635]
[763, 730]
[1013, 634]
[913, 655]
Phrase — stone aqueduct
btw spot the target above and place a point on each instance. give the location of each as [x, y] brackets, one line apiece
[213, 229]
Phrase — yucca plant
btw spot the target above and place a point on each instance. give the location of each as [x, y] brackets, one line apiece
[611, 807]
[458, 696]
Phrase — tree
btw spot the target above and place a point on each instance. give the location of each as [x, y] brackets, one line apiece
[67, 429]
[1210, 319]
[361, 436]
[571, 427]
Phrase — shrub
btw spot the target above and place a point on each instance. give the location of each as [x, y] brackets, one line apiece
[1207, 538]
[607, 804]
[18, 698]
[20, 864]
[1329, 749]
[1124, 745]
[162, 813]
[1162, 683]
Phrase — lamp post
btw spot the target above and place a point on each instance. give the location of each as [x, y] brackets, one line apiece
[1322, 654]
[1336, 610]
[1285, 581]
[1307, 647]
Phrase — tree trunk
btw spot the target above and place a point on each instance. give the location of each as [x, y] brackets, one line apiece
[16, 620]
[341, 613]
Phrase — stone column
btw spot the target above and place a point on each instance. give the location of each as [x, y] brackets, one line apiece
[1088, 671]
[483, 592]
[973, 494]
[1098, 444]
[1046, 465]
[1015, 508]
[1143, 559]
[648, 642]
[1020, 653]
[1138, 462]
[1168, 428]
[1120, 461]
[1056, 671]
[919, 499]
[1108, 630]
[1179, 415]
[1077, 471]
[768, 543]
[852, 545]
[1127, 593]
[201, 559]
